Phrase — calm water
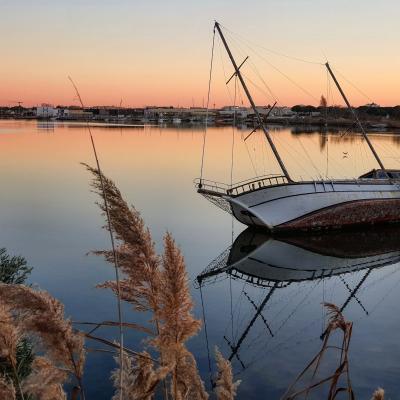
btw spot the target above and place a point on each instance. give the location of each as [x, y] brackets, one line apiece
[48, 215]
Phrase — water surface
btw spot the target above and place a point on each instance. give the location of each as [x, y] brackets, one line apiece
[48, 215]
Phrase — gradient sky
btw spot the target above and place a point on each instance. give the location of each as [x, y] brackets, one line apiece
[157, 52]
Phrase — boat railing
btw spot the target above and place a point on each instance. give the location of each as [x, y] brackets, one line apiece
[237, 188]
[260, 182]
[211, 186]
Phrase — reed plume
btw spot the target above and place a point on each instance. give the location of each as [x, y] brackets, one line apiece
[335, 318]
[45, 382]
[177, 324]
[137, 258]
[225, 388]
[41, 315]
[379, 394]
[155, 284]
[9, 336]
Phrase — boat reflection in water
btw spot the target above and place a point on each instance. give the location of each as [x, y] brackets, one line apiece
[262, 260]
[273, 281]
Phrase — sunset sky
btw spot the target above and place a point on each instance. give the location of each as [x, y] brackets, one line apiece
[157, 52]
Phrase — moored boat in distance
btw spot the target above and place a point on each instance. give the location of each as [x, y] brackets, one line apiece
[278, 203]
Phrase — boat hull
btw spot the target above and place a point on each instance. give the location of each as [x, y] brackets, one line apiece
[318, 205]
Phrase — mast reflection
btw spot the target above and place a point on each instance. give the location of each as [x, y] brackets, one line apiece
[275, 263]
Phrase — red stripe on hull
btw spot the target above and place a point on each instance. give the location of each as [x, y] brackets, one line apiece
[361, 212]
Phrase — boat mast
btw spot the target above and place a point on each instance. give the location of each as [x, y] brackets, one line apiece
[328, 67]
[253, 106]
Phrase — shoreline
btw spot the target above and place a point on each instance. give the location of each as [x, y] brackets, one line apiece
[305, 123]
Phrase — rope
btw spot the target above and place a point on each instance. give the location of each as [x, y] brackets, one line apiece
[281, 72]
[206, 336]
[243, 39]
[233, 129]
[353, 85]
[208, 103]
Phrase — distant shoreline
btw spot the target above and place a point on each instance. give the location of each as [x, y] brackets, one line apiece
[321, 124]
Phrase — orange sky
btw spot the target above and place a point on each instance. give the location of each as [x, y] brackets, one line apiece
[158, 53]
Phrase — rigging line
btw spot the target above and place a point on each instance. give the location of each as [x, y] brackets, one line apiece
[274, 97]
[284, 74]
[259, 88]
[233, 129]
[323, 306]
[251, 160]
[232, 154]
[208, 103]
[231, 301]
[223, 70]
[309, 158]
[206, 336]
[326, 124]
[115, 257]
[243, 39]
[353, 85]
[240, 318]
[288, 150]
[255, 70]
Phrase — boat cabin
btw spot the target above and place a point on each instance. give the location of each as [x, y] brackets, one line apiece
[381, 174]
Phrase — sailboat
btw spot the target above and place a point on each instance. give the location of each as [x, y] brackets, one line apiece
[279, 203]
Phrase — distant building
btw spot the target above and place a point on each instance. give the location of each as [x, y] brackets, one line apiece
[230, 111]
[46, 111]
[372, 105]
[74, 114]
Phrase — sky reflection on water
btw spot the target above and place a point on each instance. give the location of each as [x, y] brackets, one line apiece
[47, 214]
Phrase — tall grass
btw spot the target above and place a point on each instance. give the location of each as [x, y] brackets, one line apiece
[154, 284]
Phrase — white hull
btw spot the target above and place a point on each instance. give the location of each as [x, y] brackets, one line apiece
[316, 205]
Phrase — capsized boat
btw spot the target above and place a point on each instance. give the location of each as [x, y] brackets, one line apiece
[279, 203]
[262, 260]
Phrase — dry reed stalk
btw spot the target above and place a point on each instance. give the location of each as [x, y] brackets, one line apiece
[10, 335]
[155, 285]
[336, 322]
[7, 390]
[109, 225]
[45, 382]
[225, 388]
[40, 314]
[379, 394]
[140, 379]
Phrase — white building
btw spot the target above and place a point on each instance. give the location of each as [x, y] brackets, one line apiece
[46, 111]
